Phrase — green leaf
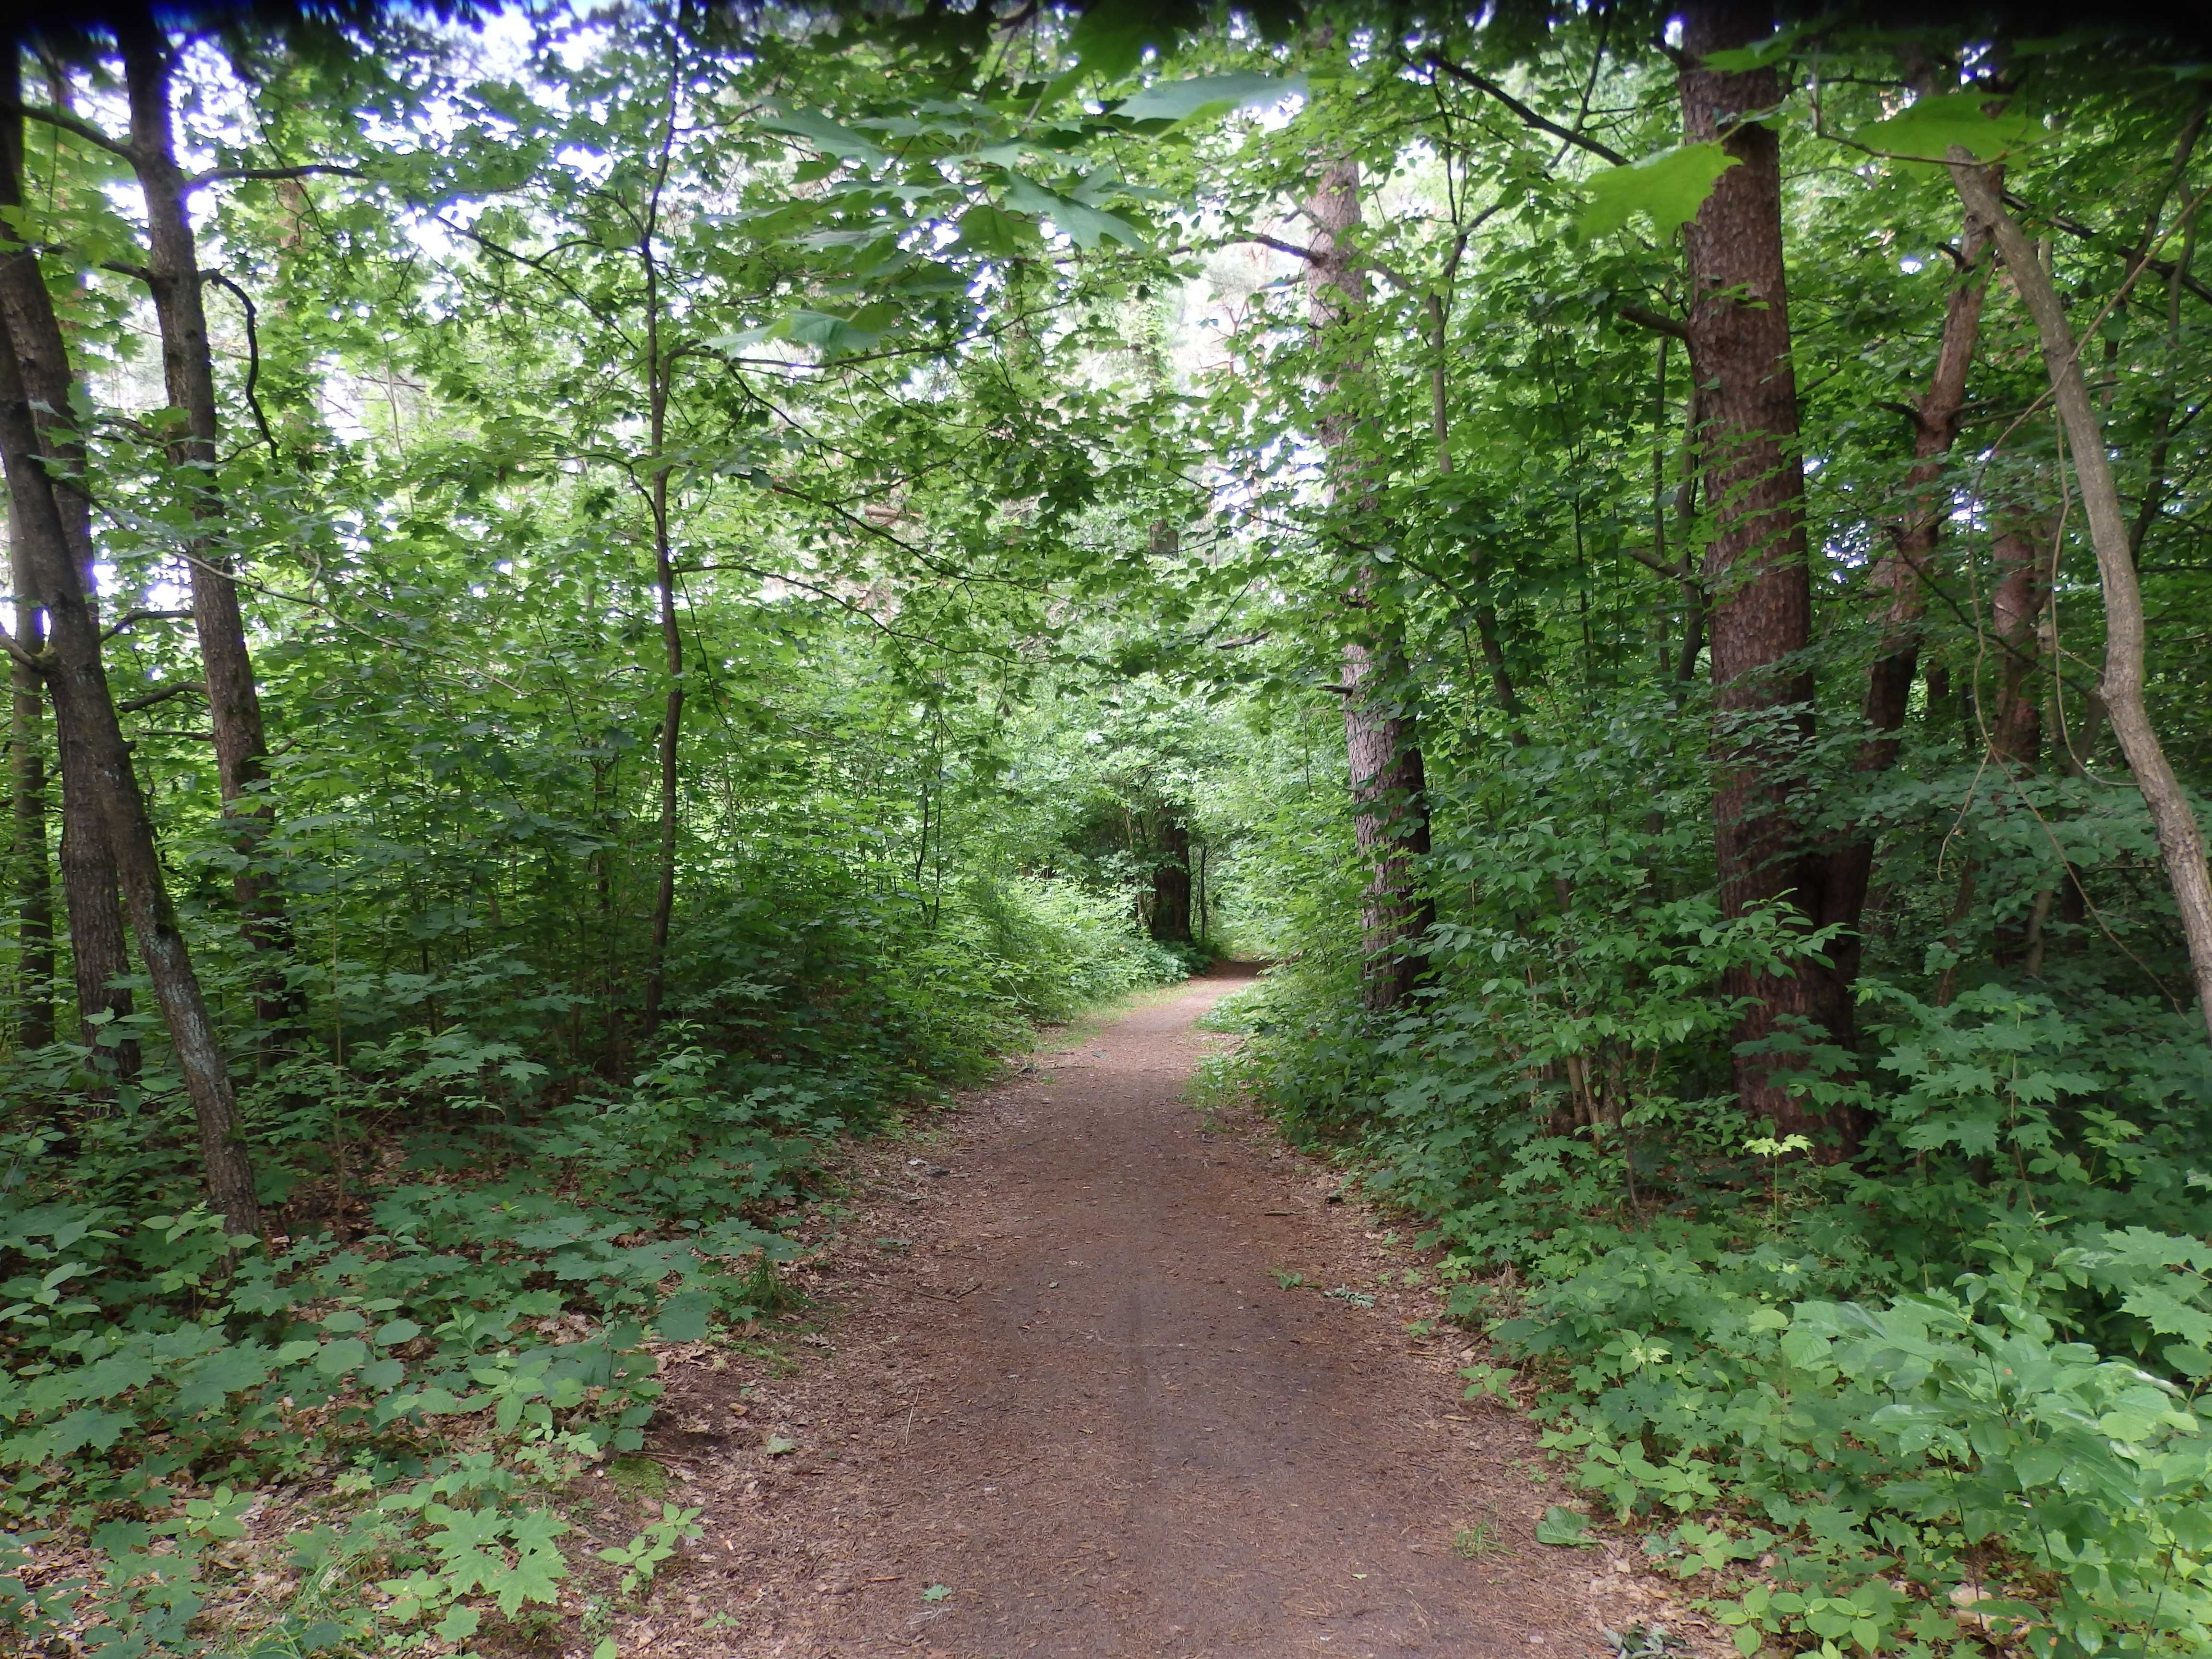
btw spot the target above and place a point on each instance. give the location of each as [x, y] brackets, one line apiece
[1671, 186]
[1084, 226]
[684, 1318]
[1927, 130]
[338, 1357]
[937, 1593]
[826, 135]
[459, 1624]
[993, 231]
[1565, 1528]
[1207, 96]
[777, 1446]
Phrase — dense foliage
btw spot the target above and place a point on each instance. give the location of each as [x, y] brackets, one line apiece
[736, 560]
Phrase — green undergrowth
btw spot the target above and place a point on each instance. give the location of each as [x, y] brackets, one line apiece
[364, 1436]
[1946, 1397]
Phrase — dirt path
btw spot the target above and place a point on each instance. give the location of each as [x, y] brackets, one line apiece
[1063, 1381]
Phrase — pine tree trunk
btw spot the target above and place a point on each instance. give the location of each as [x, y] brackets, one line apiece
[241, 744]
[1389, 800]
[81, 697]
[1756, 567]
[98, 956]
[35, 891]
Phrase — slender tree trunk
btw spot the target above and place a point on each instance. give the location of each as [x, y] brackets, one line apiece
[671, 636]
[1756, 564]
[241, 744]
[2180, 838]
[2016, 601]
[1389, 801]
[1171, 883]
[99, 956]
[1899, 578]
[35, 890]
[81, 697]
[2015, 725]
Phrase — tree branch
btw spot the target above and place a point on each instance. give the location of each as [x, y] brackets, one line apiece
[252, 355]
[1652, 320]
[132, 706]
[71, 125]
[1581, 140]
[309, 170]
[130, 616]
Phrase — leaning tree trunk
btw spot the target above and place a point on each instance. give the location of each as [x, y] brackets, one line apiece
[241, 744]
[81, 697]
[1755, 567]
[1389, 800]
[99, 955]
[34, 886]
[2180, 838]
[1899, 580]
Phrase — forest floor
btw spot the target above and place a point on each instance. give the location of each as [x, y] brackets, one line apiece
[1061, 1395]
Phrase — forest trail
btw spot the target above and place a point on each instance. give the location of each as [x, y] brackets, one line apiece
[1064, 1382]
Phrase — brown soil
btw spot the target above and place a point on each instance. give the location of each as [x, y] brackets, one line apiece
[1057, 1374]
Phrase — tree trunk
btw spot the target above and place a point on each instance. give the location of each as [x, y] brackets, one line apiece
[35, 891]
[1171, 884]
[81, 697]
[2180, 838]
[1389, 802]
[671, 636]
[1899, 580]
[241, 746]
[98, 957]
[1755, 567]
[2015, 726]
[2015, 734]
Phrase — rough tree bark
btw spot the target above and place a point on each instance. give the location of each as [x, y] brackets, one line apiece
[99, 955]
[1389, 802]
[241, 744]
[2180, 838]
[35, 890]
[1755, 565]
[79, 683]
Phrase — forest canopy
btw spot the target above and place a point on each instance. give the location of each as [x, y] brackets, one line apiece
[605, 597]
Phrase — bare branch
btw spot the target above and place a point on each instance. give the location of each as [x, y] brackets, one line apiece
[1467, 76]
[132, 706]
[309, 170]
[252, 355]
[130, 616]
[70, 125]
[1651, 319]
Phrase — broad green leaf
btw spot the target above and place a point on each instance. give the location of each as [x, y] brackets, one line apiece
[683, 1318]
[1086, 226]
[1207, 96]
[827, 136]
[1563, 1528]
[1927, 130]
[993, 233]
[1670, 186]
